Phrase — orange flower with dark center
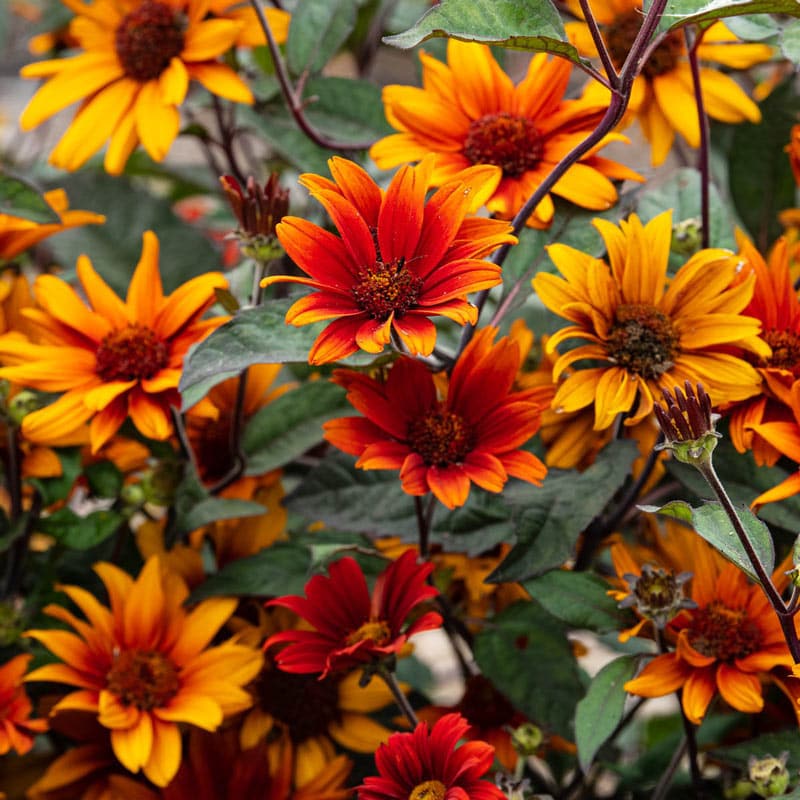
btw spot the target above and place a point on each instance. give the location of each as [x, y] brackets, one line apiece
[17, 728]
[401, 259]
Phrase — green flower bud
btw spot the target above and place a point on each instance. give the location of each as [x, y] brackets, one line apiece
[527, 739]
[687, 237]
[769, 775]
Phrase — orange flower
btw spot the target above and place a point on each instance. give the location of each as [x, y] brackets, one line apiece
[17, 729]
[18, 234]
[250, 33]
[400, 259]
[113, 359]
[473, 435]
[793, 149]
[470, 113]
[144, 665]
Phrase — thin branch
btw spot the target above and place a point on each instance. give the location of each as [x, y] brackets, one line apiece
[600, 45]
[703, 161]
[399, 697]
[662, 787]
[235, 439]
[226, 134]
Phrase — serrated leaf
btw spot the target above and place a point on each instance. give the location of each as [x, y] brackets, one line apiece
[520, 24]
[317, 30]
[579, 599]
[282, 568]
[80, 533]
[527, 655]
[549, 519]
[19, 198]
[692, 12]
[292, 424]
[599, 712]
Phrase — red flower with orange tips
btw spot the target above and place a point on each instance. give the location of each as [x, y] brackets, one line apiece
[427, 765]
[352, 626]
[441, 445]
[399, 260]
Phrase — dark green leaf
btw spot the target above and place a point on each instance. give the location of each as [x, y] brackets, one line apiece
[691, 12]
[80, 533]
[481, 523]
[550, 518]
[318, 29]
[280, 569]
[598, 714]
[579, 599]
[527, 655]
[105, 480]
[195, 507]
[292, 424]
[767, 744]
[19, 198]
[521, 24]
[56, 489]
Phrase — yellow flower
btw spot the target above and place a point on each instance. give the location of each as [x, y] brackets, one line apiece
[251, 34]
[138, 58]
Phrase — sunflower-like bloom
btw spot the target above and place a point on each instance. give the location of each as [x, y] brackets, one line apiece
[113, 359]
[662, 96]
[17, 728]
[353, 627]
[648, 334]
[400, 259]
[473, 435]
[144, 665]
[138, 58]
[18, 234]
[250, 32]
[469, 112]
[428, 764]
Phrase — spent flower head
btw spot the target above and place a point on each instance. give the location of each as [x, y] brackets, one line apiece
[688, 424]
[657, 594]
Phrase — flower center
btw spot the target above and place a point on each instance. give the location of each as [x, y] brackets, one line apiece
[483, 706]
[430, 790]
[386, 288]
[147, 39]
[442, 438]
[785, 350]
[642, 340]
[304, 705]
[619, 38]
[376, 631]
[507, 141]
[143, 678]
[724, 633]
[132, 354]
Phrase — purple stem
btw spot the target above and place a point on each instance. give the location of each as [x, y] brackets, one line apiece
[600, 45]
[703, 158]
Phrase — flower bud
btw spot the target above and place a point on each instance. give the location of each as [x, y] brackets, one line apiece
[687, 237]
[688, 424]
[527, 739]
[769, 775]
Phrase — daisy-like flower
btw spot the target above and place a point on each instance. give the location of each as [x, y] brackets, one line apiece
[18, 234]
[138, 58]
[428, 765]
[144, 665]
[662, 95]
[113, 359]
[250, 33]
[17, 728]
[399, 260]
[644, 333]
[352, 626]
[470, 112]
[442, 445]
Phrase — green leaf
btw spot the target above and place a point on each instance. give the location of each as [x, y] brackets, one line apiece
[549, 519]
[116, 246]
[692, 12]
[527, 655]
[790, 41]
[282, 568]
[598, 714]
[481, 523]
[317, 30]
[56, 489]
[767, 744]
[754, 27]
[257, 335]
[195, 507]
[19, 198]
[759, 194]
[105, 479]
[519, 24]
[579, 599]
[292, 424]
[80, 533]
[347, 498]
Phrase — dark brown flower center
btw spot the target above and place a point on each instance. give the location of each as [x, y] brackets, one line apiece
[305, 706]
[376, 631]
[441, 437]
[430, 790]
[642, 340]
[131, 354]
[147, 39]
[385, 288]
[483, 706]
[785, 350]
[724, 633]
[509, 142]
[620, 35]
[143, 678]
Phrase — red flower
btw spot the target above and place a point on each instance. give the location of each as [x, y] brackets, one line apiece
[353, 627]
[425, 765]
[441, 445]
[17, 728]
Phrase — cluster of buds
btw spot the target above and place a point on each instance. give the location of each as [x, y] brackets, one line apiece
[258, 210]
[657, 594]
[688, 424]
[766, 777]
